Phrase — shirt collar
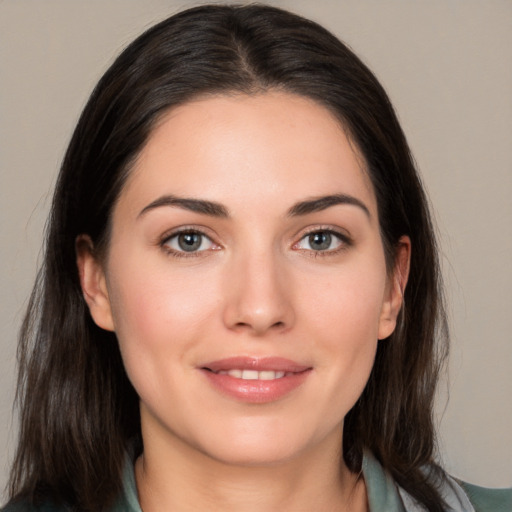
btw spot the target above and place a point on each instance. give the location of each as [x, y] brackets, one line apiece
[383, 494]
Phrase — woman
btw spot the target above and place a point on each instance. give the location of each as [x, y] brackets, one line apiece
[240, 303]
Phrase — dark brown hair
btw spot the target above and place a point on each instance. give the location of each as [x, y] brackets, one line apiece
[78, 411]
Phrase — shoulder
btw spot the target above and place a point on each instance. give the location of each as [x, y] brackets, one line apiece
[126, 502]
[488, 500]
[25, 506]
[459, 496]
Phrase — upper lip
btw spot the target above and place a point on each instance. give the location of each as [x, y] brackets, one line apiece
[256, 363]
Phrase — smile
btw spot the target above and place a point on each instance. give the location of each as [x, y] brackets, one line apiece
[255, 380]
[254, 374]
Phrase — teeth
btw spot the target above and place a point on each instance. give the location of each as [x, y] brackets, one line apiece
[253, 374]
[250, 375]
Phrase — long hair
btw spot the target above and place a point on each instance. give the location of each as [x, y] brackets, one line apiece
[78, 411]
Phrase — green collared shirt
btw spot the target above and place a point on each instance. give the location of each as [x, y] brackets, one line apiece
[383, 495]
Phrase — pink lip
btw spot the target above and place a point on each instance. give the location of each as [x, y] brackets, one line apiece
[256, 391]
[260, 364]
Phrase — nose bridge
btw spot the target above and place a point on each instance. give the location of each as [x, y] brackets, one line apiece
[259, 298]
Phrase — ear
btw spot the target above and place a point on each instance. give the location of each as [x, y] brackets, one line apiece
[395, 289]
[93, 283]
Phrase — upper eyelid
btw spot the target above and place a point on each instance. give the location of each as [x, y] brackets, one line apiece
[345, 241]
[200, 230]
[164, 243]
[342, 233]
[203, 230]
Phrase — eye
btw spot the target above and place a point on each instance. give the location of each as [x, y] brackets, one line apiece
[322, 241]
[188, 242]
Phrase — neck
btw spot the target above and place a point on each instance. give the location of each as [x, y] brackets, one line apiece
[177, 477]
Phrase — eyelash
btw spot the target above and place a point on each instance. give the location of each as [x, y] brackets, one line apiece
[344, 242]
[166, 239]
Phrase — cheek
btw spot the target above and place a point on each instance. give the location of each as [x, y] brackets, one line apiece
[348, 302]
[158, 314]
[344, 324]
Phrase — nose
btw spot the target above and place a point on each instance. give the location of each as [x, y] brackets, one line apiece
[259, 296]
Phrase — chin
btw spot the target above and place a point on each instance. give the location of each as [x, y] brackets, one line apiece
[258, 443]
[254, 454]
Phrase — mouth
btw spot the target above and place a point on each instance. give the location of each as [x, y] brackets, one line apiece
[238, 373]
[255, 380]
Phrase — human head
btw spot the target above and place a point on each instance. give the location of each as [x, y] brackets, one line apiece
[225, 49]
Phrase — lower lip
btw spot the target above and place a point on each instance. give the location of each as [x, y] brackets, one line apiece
[256, 391]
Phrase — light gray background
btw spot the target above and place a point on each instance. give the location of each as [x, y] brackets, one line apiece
[447, 66]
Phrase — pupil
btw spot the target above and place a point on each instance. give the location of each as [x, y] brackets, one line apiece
[189, 241]
[320, 241]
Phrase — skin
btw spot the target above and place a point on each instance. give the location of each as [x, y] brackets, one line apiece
[256, 287]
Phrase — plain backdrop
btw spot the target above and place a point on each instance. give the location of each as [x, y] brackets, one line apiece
[447, 66]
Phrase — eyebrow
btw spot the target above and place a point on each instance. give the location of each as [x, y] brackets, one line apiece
[318, 204]
[214, 209]
[194, 205]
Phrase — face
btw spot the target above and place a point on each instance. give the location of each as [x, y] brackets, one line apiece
[245, 278]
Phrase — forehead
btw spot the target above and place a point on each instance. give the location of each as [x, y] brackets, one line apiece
[226, 148]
